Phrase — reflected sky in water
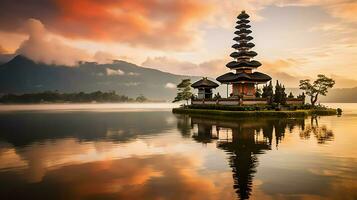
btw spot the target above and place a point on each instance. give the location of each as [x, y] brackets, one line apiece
[154, 154]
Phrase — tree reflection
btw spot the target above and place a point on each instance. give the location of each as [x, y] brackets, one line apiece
[321, 133]
[184, 125]
[243, 140]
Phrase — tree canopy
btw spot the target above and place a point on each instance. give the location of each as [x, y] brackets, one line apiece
[319, 87]
[279, 95]
[183, 91]
[55, 96]
[268, 92]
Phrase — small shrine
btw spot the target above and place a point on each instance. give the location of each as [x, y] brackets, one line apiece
[204, 87]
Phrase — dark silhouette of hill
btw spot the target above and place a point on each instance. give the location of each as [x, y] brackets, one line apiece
[22, 75]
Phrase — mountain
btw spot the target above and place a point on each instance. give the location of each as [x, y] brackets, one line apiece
[335, 95]
[22, 75]
[4, 58]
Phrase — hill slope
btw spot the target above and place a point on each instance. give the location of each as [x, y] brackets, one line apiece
[21, 75]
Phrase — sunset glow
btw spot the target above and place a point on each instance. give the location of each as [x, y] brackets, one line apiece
[294, 39]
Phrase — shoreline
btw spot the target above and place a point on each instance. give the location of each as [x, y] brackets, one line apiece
[246, 114]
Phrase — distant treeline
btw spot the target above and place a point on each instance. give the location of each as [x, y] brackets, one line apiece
[80, 97]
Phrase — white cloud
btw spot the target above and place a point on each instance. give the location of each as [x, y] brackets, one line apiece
[103, 57]
[175, 66]
[133, 74]
[170, 85]
[114, 72]
[41, 47]
[132, 84]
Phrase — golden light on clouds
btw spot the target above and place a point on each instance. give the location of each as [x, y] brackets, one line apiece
[185, 37]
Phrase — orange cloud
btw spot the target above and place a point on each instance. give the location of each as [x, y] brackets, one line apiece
[171, 177]
[346, 11]
[152, 23]
[280, 69]
[155, 24]
[2, 50]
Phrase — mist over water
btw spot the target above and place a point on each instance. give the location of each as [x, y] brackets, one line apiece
[96, 107]
[143, 151]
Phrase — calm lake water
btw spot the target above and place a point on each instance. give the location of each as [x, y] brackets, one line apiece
[131, 151]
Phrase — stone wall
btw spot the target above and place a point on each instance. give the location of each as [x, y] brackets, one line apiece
[248, 101]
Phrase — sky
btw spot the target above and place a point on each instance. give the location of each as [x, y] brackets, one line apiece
[295, 39]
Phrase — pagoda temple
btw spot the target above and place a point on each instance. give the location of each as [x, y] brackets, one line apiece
[243, 76]
[243, 79]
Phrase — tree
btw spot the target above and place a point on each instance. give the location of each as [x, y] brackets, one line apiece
[183, 91]
[217, 96]
[319, 87]
[141, 98]
[258, 92]
[280, 95]
[268, 92]
[291, 95]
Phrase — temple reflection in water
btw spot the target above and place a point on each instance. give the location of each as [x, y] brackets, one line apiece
[244, 140]
[130, 154]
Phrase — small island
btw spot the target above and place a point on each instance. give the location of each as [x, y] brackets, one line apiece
[247, 99]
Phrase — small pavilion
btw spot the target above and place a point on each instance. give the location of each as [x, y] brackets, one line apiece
[243, 79]
[204, 87]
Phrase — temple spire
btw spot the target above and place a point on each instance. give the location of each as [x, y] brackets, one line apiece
[244, 79]
[243, 55]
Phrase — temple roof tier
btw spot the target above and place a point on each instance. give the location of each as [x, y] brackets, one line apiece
[242, 31]
[257, 77]
[204, 83]
[243, 45]
[243, 54]
[243, 38]
[243, 15]
[242, 64]
[246, 26]
[243, 21]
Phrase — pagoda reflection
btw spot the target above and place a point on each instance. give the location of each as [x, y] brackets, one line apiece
[243, 140]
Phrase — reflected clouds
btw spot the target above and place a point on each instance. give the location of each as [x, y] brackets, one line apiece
[158, 155]
[154, 177]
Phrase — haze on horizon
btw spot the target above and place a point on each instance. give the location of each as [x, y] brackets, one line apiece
[294, 39]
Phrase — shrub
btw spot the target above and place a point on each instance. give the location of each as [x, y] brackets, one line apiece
[339, 111]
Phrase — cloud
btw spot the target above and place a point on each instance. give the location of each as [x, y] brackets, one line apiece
[346, 11]
[40, 47]
[227, 10]
[133, 74]
[114, 72]
[2, 50]
[172, 65]
[170, 85]
[343, 82]
[281, 69]
[5, 56]
[172, 177]
[104, 57]
[150, 23]
[280, 64]
[131, 84]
